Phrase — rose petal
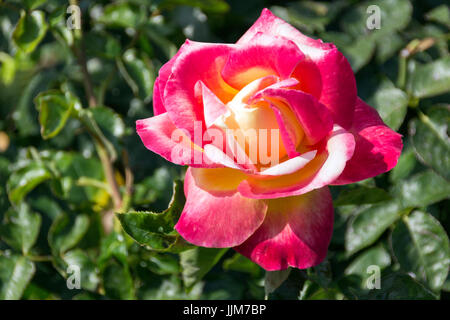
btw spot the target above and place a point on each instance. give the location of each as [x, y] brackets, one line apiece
[160, 135]
[323, 170]
[199, 61]
[314, 118]
[217, 221]
[296, 232]
[291, 165]
[325, 72]
[264, 56]
[377, 146]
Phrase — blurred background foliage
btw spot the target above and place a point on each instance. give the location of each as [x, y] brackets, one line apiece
[70, 158]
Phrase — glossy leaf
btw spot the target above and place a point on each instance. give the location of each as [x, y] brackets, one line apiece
[22, 181]
[15, 274]
[89, 275]
[21, 228]
[376, 256]
[215, 6]
[54, 109]
[440, 14]
[122, 15]
[66, 231]
[405, 165]
[361, 195]
[139, 73]
[422, 189]
[155, 230]
[370, 224]
[431, 79]
[30, 30]
[197, 262]
[422, 247]
[118, 282]
[391, 104]
[431, 141]
[399, 286]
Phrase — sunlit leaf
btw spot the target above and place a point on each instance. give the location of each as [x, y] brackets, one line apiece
[30, 30]
[431, 141]
[421, 246]
[370, 224]
[15, 274]
[155, 230]
[21, 228]
[54, 109]
[22, 181]
[66, 231]
[431, 79]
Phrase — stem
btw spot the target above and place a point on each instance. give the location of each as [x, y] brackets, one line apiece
[40, 258]
[401, 80]
[86, 78]
[105, 159]
[109, 174]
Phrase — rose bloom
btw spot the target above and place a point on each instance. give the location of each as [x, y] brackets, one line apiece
[278, 213]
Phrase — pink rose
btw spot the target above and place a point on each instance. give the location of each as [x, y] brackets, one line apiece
[216, 107]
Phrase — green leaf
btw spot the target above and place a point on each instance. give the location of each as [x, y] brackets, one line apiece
[8, 68]
[197, 262]
[110, 123]
[33, 4]
[58, 26]
[275, 279]
[440, 14]
[72, 167]
[66, 231]
[122, 15]
[54, 109]
[422, 247]
[309, 16]
[166, 46]
[22, 181]
[391, 104]
[431, 79]
[399, 286]
[431, 141]
[387, 46]
[163, 264]
[30, 30]
[213, 6]
[377, 256]
[405, 165]
[118, 282]
[422, 189]
[15, 274]
[89, 276]
[394, 15]
[138, 72]
[369, 225]
[361, 195]
[102, 44]
[359, 52]
[240, 263]
[21, 228]
[113, 246]
[86, 116]
[155, 230]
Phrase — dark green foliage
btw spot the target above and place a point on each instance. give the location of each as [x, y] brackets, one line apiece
[79, 190]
